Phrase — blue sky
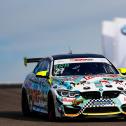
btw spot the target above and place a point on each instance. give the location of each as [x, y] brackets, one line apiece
[35, 28]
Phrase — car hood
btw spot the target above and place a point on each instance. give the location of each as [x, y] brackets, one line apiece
[101, 82]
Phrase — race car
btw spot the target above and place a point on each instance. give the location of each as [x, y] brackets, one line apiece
[74, 85]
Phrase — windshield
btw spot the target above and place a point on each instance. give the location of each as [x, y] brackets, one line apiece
[83, 68]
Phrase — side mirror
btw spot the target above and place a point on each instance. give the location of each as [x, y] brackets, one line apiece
[122, 71]
[42, 74]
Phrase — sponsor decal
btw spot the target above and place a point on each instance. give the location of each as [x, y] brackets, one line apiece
[67, 85]
[86, 88]
[104, 82]
[118, 81]
[77, 102]
[73, 78]
[98, 84]
[102, 102]
[88, 77]
[99, 103]
[114, 76]
[108, 85]
[68, 99]
[36, 95]
[108, 77]
[120, 88]
[81, 59]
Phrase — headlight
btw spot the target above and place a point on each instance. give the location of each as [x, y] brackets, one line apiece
[120, 88]
[66, 93]
[123, 92]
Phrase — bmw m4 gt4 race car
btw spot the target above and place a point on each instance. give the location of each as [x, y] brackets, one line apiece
[74, 85]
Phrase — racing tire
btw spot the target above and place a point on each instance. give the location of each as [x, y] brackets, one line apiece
[51, 108]
[124, 118]
[24, 104]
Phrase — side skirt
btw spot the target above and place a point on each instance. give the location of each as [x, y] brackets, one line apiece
[39, 109]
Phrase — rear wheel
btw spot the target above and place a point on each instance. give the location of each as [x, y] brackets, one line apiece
[51, 108]
[24, 103]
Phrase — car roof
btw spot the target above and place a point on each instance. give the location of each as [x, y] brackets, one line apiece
[67, 56]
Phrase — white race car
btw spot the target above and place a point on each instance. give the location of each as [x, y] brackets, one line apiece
[74, 85]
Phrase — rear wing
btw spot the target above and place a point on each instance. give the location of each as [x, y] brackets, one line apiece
[31, 60]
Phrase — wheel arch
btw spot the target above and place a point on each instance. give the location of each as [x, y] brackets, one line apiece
[51, 106]
[51, 94]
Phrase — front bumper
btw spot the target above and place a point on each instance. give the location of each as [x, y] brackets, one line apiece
[94, 111]
[89, 108]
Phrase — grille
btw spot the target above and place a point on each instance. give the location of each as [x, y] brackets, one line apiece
[91, 95]
[97, 95]
[101, 110]
[110, 94]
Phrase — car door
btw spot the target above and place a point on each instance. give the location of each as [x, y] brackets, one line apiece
[35, 88]
[41, 87]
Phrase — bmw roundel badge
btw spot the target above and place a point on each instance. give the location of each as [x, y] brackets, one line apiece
[100, 89]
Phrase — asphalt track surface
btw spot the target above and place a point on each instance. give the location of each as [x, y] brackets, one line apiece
[10, 113]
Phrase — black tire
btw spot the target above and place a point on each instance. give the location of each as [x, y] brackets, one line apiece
[51, 108]
[24, 104]
[124, 118]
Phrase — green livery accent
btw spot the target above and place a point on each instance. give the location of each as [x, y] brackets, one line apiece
[98, 84]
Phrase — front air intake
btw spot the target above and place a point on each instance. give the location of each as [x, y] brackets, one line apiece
[101, 110]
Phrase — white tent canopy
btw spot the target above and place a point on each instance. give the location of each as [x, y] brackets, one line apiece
[114, 41]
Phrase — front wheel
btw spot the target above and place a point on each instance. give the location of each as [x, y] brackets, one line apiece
[24, 104]
[51, 108]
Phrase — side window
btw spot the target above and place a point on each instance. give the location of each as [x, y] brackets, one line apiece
[42, 66]
[46, 65]
[36, 68]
